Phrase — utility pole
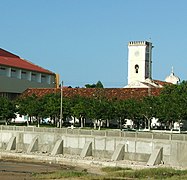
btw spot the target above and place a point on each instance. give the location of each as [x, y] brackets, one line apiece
[61, 96]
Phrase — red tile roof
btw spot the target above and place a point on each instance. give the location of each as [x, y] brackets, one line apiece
[162, 83]
[12, 60]
[111, 93]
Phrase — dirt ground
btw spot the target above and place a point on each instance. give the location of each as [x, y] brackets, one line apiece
[20, 166]
[11, 170]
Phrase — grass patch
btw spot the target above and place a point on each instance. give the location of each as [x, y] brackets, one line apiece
[61, 174]
[148, 173]
[114, 169]
[118, 173]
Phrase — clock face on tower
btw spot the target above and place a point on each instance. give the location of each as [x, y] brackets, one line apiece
[137, 53]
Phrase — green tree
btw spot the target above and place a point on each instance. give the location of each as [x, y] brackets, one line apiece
[148, 107]
[173, 104]
[79, 109]
[132, 107]
[51, 107]
[97, 85]
[99, 110]
[120, 112]
[7, 109]
[30, 106]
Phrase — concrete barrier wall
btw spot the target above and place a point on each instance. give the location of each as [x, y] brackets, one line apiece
[138, 146]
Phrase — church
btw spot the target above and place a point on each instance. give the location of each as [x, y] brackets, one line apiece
[140, 67]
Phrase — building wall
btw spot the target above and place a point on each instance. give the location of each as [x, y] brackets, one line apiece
[14, 80]
[14, 85]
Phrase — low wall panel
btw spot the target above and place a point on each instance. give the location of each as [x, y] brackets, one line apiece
[140, 157]
[110, 144]
[6, 136]
[130, 134]
[161, 136]
[166, 146]
[81, 142]
[71, 141]
[28, 137]
[131, 146]
[100, 143]
[144, 135]
[178, 137]
[72, 151]
[144, 147]
[102, 154]
[49, 138]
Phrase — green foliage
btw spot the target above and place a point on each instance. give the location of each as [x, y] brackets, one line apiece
[169, 107]
[114, 169]
[29, 106]
[147, 173]
[172, 103]
[97, 85]
[62, 174]
[7, 109]
[51, 105]
[117, 173]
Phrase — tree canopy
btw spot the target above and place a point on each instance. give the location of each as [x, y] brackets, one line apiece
[97, 85]
[169, 107]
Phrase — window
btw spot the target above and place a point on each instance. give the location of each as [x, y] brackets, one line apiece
[136, 68]
[43, 80]
[13, 73]
[33, 77]
[23, 75]
[2, 71]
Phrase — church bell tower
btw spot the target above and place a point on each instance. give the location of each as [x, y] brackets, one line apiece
[139, 61]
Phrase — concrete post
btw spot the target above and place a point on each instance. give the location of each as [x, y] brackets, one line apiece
[118, 153]
[11, 144]
[87, 149]
[156, 157]
[58, 148]
[33, 146]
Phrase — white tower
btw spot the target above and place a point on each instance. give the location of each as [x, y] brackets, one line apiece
[139, 61]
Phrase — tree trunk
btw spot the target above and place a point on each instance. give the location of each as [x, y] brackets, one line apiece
[107, 123]
[95, 124]
[99, 124]
[149, 124]
[145, 124]
[82, 125]
[38, 120]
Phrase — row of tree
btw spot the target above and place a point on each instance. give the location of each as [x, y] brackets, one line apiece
[169, 107]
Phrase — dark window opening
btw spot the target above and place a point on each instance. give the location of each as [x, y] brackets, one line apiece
[136, 68]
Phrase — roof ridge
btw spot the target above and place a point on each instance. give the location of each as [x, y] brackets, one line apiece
[10, 59]
[35, 64]
[6, 53]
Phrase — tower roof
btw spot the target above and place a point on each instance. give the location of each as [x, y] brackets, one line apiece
[139, 43]
[172, 78]
[12, 60]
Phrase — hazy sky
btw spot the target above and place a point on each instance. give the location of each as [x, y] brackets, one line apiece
[86, 40]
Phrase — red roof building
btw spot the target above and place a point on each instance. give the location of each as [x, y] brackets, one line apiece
[17, 74]
[110, 93]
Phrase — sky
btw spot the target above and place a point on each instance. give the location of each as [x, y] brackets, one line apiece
[86, 41]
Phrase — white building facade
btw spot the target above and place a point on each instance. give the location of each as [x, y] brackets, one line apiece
[139, 61]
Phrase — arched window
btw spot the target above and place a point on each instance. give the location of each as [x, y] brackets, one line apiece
[136, 68]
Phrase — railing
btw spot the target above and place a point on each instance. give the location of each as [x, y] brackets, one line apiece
[104, 133]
